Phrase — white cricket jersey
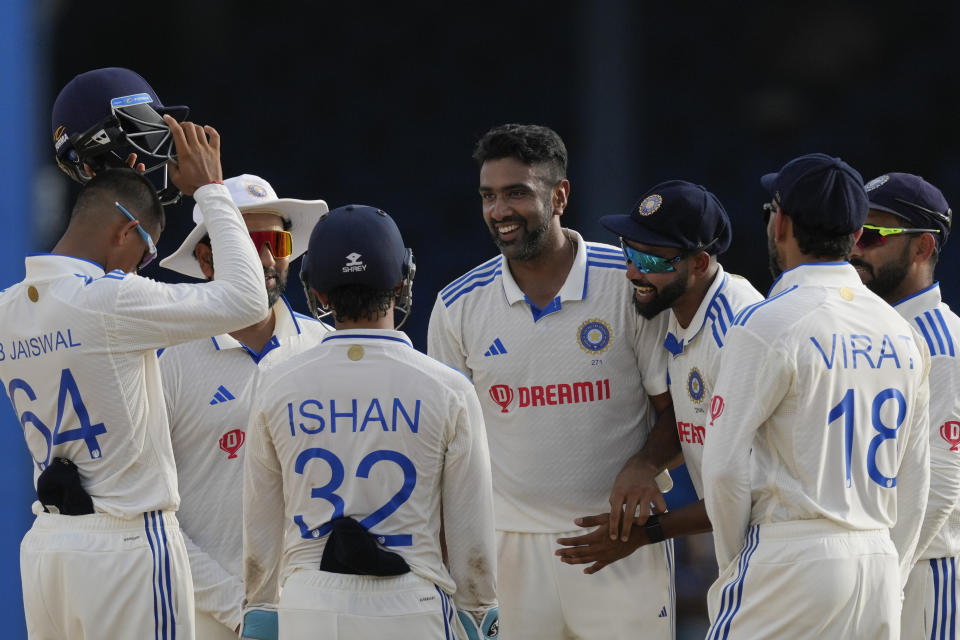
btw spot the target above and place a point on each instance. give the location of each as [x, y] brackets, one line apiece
[78, 359]
[564, 390]
[940, 328]
[820, 411]
[208, 385]
[365, 426]
[694, 358]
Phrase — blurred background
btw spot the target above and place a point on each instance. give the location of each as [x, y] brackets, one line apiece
[381, 103]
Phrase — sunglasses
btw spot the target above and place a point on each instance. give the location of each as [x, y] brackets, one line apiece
[280, 242]
[648, 263]
[151, 248]
[874, 236]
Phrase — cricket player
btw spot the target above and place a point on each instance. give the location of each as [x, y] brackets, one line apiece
[359, 449]
[568, 377]
[908, 223]
[105, 557]
[670, 239]
[815, 470]
[208, 386]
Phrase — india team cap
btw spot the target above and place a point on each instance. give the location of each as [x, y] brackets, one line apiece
[251, 194]
[820, 193]
[355, 245]
[913, 199]
[677, 214]
[87, 100]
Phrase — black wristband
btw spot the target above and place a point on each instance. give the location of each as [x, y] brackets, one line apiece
[653, 529]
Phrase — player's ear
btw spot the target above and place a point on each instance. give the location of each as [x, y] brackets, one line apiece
[561, 195]
[923, 248]
[204, 255]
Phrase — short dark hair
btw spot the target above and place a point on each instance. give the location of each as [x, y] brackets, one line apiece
[816, 243]
[357, 301]
[531, 144]
[126, 186]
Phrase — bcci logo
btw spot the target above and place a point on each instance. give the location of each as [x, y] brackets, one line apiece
[650, 204]
[231, 442]
[256, 191]
[876, 182]
[502, 395]
[695, 385]
[594, 336]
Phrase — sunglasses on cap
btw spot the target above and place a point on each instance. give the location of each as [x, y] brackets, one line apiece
[280, 242]
[874, 236]
[151, 248]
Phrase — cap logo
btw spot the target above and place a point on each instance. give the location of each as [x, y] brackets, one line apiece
[256, 191]
[126, 101]
[59, 133]
[876, 182]
[354, 263]
[650, 204]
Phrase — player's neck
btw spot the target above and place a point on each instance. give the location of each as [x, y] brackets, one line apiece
[911, 285]
[689, 303]
[80, 248]
[541, 278]
[382, 322]
[256, 336]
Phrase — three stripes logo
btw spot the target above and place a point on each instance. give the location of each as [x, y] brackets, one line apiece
[663, 612]
[222, 395]
[495, 349]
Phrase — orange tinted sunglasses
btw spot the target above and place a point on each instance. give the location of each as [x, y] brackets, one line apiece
[280, 242]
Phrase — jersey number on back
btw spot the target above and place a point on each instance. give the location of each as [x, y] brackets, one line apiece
[68, 389]
[846, 409]
[328, 491]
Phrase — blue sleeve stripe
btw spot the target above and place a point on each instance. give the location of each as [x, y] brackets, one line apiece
[716, 335]
[749, 311]
[607, 265]
[485, 277]
[596, 248]
[476, 272]
[728, 310]
[935, 331]
[926, 335]
[946, 331]
[449, 300]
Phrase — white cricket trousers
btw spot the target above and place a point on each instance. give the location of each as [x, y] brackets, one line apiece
[930, 600]
[96, 577]
[542, 598]
[808, 579]
[317, 604]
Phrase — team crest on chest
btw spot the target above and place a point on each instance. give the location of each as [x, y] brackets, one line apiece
[695, 385]
[594, 336]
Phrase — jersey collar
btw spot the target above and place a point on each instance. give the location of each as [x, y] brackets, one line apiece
[679, 338]
[825, 274]
[46, 266]
[286, 326]
[383, 336]
[923, 300]
[574, 287]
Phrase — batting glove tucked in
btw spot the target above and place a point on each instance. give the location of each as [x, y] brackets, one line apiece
[260, 624]
[485, 627]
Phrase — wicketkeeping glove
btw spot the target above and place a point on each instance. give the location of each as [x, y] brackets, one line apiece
[488, 625]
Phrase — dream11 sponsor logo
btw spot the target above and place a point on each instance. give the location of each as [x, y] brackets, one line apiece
[231, 441]
[950, 431]
[550, 395]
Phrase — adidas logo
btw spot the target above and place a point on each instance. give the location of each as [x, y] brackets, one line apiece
[495, 349]
[663, 612]
[222, 395]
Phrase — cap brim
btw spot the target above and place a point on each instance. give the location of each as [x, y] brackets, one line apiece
[890, 210]
[628, 228]
[768, 182]
[302, 214]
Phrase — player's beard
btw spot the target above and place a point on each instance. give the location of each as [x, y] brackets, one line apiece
[530, 245]
[776, 260]
[662, 298]
[274, 292]
[888, 278]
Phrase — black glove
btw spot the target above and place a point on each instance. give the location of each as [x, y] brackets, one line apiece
[59, 486]
[354, 550]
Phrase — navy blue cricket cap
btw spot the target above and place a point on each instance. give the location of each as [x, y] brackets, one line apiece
[913, 199]
[677, 214]
[354, 245]
[820, 193]
[89, 98]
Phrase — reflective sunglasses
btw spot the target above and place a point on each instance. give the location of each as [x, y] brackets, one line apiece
[648, 263]
[151, 248]
[280, 242]
[874, 236]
